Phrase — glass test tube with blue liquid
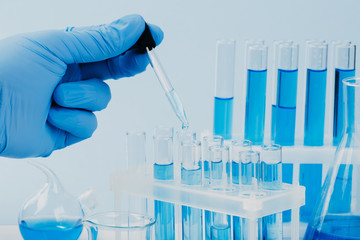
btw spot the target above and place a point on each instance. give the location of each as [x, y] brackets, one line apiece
[219, 180]
[237, 146]
[164, 170]
[224, 88]
[344, 67]
[256, 92]
[207, 142]
[284, 106]
[316, 74]
[250, 175]
[271, 164]
[191, 175]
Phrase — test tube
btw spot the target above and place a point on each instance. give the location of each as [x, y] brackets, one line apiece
[220, 223]
[237, 146]
[136, 159]
[191, 175]
[250, 176]
[164, 170]
[224, 88]
[344, 67]
[284, 107]
[316, 67]
[271, 164]
[256, 92]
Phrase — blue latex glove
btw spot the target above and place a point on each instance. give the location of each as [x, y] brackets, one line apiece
[51, 82]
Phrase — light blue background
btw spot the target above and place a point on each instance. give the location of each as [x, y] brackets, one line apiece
[188, 54]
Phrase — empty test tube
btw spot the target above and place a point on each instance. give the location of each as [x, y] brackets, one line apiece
[271, 161]
[256, 92]
[224, 88]
[284, 105]
[191, 175]
[220, 223]
[136, 159]
[164, 170]
[344, 67]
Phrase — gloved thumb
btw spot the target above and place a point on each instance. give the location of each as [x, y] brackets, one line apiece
[95, 43]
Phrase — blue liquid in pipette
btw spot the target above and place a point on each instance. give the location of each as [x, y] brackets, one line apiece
[50, 229]
[223, 114]
[335, 227]
[235, 168]
[272, 224]
[315, 107]
[255, 106]
[164, 212]
[284, 113]
[191, 217]
[339, 113]
[287, 177]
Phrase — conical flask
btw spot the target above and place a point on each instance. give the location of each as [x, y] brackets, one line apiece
[52, 213]
[337, 212]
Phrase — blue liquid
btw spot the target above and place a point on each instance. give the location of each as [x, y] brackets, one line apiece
[216, 171]
[235, 180]
[287, 177]
[315, 107]
[340, 201]
[339, 117]
[335, 228]
[50, 229]
[191, 217]
[223, 114]
[311, 179]
[284, 112]
[247, 170]
[220, 228]
[164, 212]
[271, 179]
[255, 106]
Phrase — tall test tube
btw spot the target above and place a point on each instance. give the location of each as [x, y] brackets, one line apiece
[316, 68]
[164, 170]
[271, 161]
[224, 88]
[237, 146]
[220, 223]
[284, 108]
[256, 92]
[191, 174]
[344, 67]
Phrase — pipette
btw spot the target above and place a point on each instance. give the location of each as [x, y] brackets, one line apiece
[147, 44]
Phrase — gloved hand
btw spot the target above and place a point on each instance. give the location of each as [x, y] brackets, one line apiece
[51, 82]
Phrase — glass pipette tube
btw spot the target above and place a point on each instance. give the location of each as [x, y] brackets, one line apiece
[164, 170]
[170, 92]
[250, 175]
[316, 68]
[344, 67]
[191, 174]
[256, 93]
[224, 88]
[271, 163]
[209, 141]
[220, 223]
[237, 146]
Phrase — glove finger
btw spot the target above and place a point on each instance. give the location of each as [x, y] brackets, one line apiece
[95, 44]
[79, 123]
[127, 64]
[92, 95]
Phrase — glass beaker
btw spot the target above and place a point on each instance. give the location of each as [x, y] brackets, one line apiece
[337, 212]
[119, 226]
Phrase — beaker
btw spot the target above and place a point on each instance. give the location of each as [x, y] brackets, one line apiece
[337, 212]
[119, 226]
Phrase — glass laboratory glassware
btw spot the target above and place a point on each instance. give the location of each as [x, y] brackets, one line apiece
[344, 67]
[337, 213]
[51, 213]
[224, 88]
[256, 92]
[271, 164]
[164, 171]
[119, 225]
[191, 175]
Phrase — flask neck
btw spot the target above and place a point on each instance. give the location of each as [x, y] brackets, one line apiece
[352, 105]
